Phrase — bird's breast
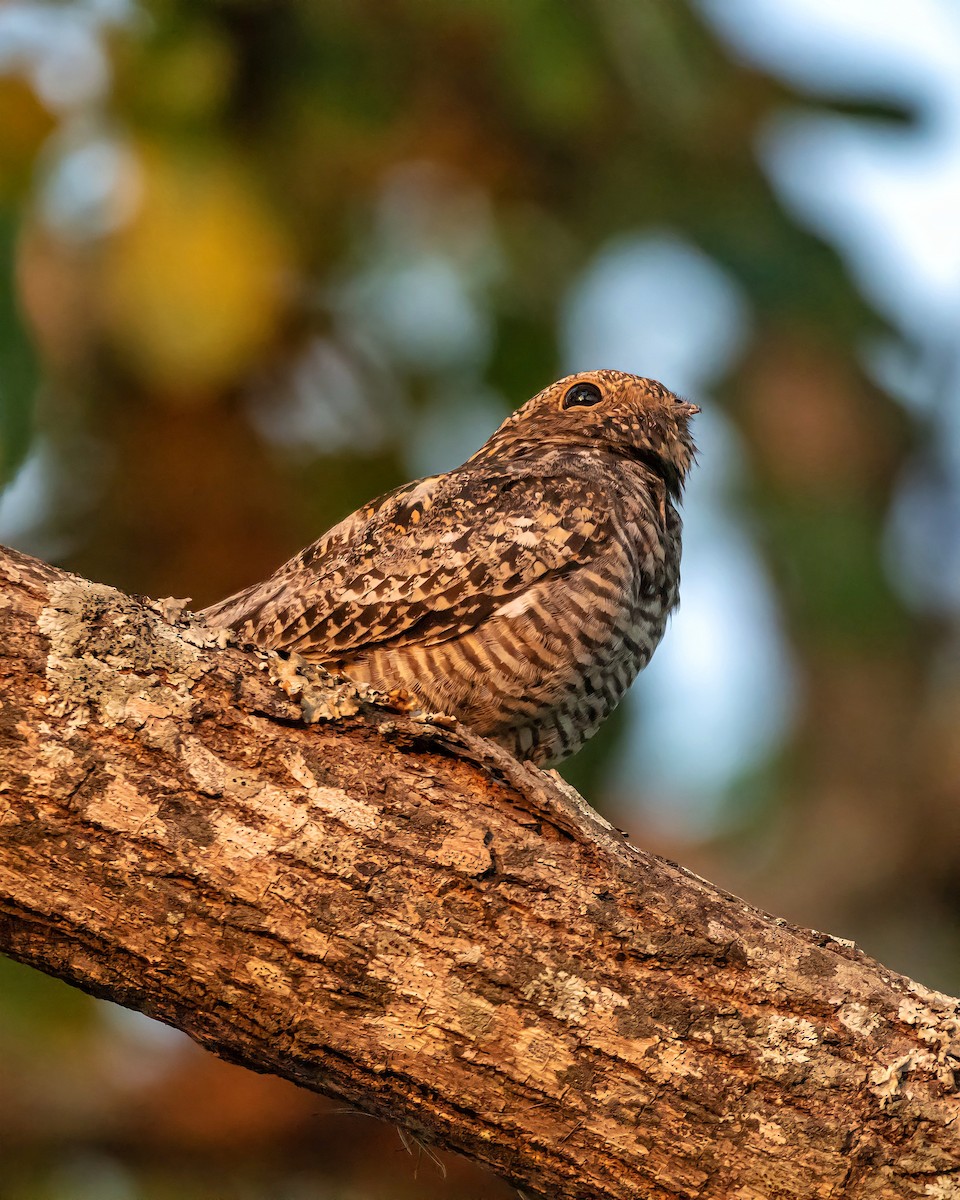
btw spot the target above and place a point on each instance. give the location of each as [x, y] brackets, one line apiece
[547, 667]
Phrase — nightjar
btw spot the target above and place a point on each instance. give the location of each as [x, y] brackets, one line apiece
[521, 592]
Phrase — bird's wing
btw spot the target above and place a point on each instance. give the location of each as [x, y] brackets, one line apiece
[423, 564]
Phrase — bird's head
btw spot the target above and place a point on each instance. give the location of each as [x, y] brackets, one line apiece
[609, 411]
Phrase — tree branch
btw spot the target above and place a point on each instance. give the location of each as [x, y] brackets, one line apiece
[397, 913]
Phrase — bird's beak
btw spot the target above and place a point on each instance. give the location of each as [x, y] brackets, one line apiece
[689, 410]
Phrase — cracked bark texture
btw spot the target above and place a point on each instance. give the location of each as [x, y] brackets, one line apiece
[394, 911]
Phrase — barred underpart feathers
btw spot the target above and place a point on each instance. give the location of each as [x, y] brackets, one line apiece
[521, 592]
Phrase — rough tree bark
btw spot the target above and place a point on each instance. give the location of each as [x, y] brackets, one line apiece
[395, 912]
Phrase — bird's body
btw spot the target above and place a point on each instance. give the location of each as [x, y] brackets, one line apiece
[521, 592]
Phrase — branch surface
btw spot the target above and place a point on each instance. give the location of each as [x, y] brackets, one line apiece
[396, 912]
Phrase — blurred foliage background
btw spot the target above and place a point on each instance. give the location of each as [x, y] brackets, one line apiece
[261, 262]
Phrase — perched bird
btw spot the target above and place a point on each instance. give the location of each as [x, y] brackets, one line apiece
[521, 592]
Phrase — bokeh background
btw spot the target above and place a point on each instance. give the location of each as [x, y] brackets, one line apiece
[259, 262]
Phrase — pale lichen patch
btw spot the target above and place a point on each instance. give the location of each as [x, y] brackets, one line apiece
[940, 1030]
[933, 1027]
[569, 997]
[886, 1083]
[322, 696]
[911, 1012]
[944, 1188]
[171, 608]
[788, 1040]
[935, 1000]
[858, 1018]
[49, 752]
[106, 652]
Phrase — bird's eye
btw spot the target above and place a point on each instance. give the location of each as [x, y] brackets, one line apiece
[582, 394]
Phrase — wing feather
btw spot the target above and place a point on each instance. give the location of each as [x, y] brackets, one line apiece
[423, 564]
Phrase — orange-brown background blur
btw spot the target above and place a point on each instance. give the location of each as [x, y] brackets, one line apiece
[261, 262]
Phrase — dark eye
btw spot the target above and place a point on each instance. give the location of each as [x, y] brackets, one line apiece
[582, 394]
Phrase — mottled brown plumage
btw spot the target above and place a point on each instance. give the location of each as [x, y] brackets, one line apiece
[521, 592]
